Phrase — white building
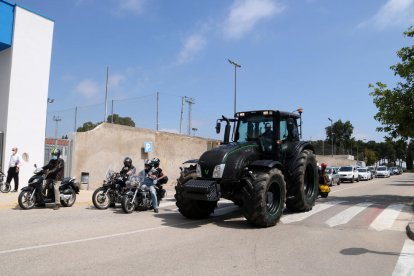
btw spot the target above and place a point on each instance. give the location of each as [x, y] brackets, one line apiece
[25, 56]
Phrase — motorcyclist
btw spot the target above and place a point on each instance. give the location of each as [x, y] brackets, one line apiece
[162, 178]
[150, 181]
[323, 177]
[55, 171]
[128, 169]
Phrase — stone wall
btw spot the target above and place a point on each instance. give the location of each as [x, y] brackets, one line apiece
[336, 160]
[106, 146]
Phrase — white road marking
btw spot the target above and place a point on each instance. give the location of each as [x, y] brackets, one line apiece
[316, 209]
[346, 215]
[387, 217]
[405, 263]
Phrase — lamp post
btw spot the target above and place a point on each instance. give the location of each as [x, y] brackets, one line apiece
[331, 134]
[194, 129]
[57, 119]
[235, 67]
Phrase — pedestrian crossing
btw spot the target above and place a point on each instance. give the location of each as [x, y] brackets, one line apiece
[392, 217]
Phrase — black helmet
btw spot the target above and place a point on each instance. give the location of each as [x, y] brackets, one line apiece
[147, 162]
[128, 162]
[56, 152]
[155, 162]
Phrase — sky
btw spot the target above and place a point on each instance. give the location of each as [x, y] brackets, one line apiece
[319, 55]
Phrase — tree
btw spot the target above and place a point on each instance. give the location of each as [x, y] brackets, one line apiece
[87, 126]
[410, 155]
[370, 157]
[125, 121]
[341, 133]
[116, 119]
[395, 106]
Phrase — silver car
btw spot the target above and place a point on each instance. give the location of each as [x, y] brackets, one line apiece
[382, 171]
[333, 175]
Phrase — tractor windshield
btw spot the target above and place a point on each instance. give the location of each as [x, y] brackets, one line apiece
[252, 127]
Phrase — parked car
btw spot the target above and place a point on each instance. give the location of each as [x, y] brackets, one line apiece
[395, 170]
[382, 171]
[372, 170]
[333, 175]
[348, 173]
[364, 174]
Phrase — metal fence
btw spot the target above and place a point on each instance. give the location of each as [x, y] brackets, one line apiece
[158, 111]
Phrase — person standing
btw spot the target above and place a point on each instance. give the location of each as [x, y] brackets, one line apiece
[14, 167]
[56, 170]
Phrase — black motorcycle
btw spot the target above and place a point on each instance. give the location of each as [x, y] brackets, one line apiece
[110, 192]
[4, 187]
[28, 198]
[138, 197]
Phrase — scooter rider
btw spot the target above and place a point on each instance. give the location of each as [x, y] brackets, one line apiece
[55, 171]
[150, 179]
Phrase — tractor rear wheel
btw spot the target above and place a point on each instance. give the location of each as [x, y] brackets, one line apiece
[303, 187]
[267, 199]
[191, 208]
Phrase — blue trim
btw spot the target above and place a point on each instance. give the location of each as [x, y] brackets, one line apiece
[6, 24]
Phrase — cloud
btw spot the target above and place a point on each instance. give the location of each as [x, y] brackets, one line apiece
[115, 80]
[392, 13]
[87, 88]
[245, 14]
[130, 6]
[192, 45]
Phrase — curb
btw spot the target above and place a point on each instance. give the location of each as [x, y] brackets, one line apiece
[410, 226]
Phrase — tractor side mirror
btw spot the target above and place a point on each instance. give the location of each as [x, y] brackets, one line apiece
[218, 126]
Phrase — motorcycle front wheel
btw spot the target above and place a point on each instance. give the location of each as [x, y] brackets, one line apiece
[25, 202]
[100, 199]
[127, 204]
[5, 187]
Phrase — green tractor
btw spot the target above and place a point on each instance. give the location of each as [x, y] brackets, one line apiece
[264, 167]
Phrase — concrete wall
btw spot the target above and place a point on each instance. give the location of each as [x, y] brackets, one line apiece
[27, 66]
[336, 160]
[106, 146]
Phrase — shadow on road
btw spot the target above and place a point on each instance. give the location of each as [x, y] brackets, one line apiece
[359, 251]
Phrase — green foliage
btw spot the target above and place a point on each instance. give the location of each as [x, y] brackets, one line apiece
[395, 106]
[410, 155]
[116, 119]
[341, 133]
[86, 127]
[370, 157]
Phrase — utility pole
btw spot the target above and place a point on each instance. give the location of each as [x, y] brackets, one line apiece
[182, 110]
[106, 94]
[158, 99]
[112, 111]
[76, 117]
[331, 134]
[235, 78]
[57, 119]
[190, 102]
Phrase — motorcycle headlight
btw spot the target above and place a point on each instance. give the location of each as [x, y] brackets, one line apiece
[198, 170]
[218, 171]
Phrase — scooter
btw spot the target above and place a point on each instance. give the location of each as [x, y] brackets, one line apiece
[324, 188]
[4, 187]
[28, 197]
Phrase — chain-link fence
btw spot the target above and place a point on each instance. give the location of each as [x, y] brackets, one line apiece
[157, 111]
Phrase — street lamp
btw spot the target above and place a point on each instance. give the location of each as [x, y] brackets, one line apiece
[331, 134]
[235, 67]
[194, 130]
[57, 119]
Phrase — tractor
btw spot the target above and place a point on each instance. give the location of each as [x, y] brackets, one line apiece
[262, 167]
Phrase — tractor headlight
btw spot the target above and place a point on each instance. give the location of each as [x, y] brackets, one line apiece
[218, 171]
[198, 170]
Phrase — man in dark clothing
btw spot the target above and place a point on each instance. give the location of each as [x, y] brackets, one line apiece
[13, 172]
[55, 171]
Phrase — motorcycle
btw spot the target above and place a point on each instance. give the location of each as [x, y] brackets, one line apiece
[138, 197]
[111, 191]
[4, 187]
[68, 189]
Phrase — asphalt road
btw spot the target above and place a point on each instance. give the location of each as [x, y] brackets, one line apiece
[358, 230]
